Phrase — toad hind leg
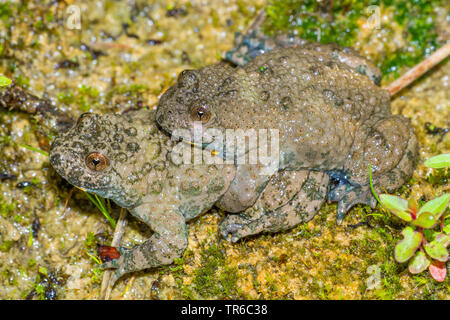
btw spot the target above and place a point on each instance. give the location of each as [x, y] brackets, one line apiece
[167, 243]
[399, 171]
[301, 208]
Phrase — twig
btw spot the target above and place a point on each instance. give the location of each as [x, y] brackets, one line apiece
[419, 70]
[66, 204]
[110, 45]
[105, 290]
[257, 21]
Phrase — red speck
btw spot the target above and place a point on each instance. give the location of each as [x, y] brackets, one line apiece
[107, 253]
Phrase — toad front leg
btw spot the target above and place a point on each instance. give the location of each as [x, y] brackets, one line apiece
[167, 243]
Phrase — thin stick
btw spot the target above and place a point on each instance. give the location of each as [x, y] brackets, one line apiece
[67, 201]
[257, 22]
[419, 70]
[105, 290]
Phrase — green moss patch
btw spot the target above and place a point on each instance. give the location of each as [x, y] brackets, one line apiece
[341, 21]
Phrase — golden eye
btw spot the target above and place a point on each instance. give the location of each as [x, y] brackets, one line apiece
[97, 161]
[201, 113]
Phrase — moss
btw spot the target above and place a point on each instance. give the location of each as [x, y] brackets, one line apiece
[215, 18]
[337, 24]
[5, 246]
[177, 265]
[90, 241]
[340, 24]
[304, 231]
[6, 13]
[390, 279]
[97, 275]
[88, 91]
[6, 209]
[228, 279]
[214, 279]
[66, 97]
[8, 277]
[31, 263]
[132, 89]
[22, 81]
[439, 177]
[242, 7]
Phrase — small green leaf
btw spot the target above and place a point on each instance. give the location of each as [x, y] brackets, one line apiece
[405, 249]
[425, 220]
[419, 263]
[447, 229]
[396, 205]
[436, 206]
[437, 250]
[443, 238]
[439, 161]
[43, 270]
[30, 238]
[4, 81]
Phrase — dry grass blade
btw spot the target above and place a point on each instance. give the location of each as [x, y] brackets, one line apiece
[105, 290]
[419, 70]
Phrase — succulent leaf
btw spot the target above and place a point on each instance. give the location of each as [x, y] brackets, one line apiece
[419, 263]
[442, 238]
[4, 81]
[447, 229]
[438, 270]
[437, 250]
[405, 249]
[425, 220]
[396, 205]
[439, 161]
[436, 206]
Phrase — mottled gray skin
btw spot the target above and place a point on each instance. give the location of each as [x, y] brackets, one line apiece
[330, 117]
[143, 177]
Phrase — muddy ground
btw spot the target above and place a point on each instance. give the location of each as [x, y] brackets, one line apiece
[49, 230]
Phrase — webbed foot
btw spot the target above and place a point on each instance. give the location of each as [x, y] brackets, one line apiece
[234, 227]
[348, 195]
[118, 264]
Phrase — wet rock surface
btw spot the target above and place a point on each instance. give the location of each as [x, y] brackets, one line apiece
[48, 229]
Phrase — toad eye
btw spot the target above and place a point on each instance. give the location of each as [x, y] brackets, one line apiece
[97, 161]
[201, 113]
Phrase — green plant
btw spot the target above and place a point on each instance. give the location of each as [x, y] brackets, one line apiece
[414, 247]
[100, 204]
[422, 245]
[340, 21]
[4, 81]
[439, 161]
